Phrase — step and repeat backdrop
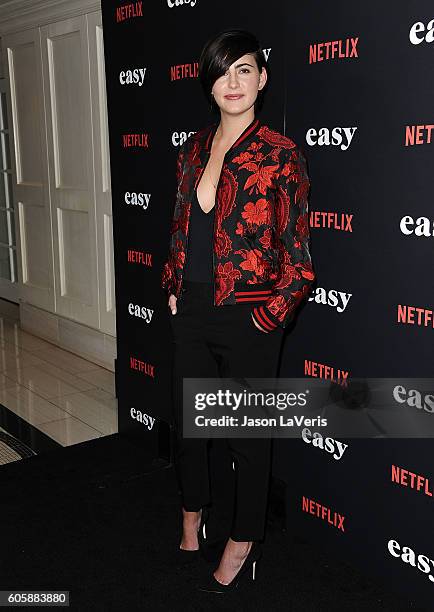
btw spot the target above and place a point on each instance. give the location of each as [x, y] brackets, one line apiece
[352, 86]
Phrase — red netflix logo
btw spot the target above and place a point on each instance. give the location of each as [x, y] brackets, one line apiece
[331, 220]
[418, 134]
[333, 49]
[129, 11]
[412, 315]
[147, 369]
[321, 370]
[184, 71]
[135, 140]
[139, 257]
[333, 518]
[409, 479]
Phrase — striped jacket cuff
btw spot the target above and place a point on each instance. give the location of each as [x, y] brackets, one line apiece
[264, 318]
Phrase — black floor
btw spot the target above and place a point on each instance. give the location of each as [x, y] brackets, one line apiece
[25, 432]
[100, 520]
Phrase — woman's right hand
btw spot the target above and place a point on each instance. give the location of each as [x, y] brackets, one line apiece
[172, 304]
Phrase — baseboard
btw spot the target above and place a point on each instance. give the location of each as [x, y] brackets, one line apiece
[10, 310]
[84, 341]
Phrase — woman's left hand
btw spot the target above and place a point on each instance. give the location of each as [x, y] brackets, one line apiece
[257, 325]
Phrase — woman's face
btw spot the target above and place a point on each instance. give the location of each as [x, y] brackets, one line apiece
[237, 90]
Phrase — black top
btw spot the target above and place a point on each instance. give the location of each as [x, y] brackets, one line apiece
[199, 261]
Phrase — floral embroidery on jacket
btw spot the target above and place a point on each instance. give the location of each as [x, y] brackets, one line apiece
[261, 228]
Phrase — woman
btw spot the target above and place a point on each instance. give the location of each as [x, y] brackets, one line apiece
[238, 267]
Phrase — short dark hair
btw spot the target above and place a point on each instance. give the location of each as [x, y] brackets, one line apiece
[223, 50]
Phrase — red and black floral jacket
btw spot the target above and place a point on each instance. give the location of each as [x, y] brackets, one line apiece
[261, 230]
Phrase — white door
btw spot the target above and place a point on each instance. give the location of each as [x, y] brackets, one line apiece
[29, 163]
[65, 61]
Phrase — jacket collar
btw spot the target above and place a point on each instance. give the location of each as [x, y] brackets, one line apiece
[246, 135]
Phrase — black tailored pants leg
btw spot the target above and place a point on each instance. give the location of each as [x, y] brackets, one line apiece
[222, 341]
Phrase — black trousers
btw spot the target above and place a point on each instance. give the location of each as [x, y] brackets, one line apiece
[232, 475]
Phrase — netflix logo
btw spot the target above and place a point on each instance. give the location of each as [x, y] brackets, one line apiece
[322, 512]
[129, 11]
[147, 369]
[405, 478]
[331, 220]
[135, 140]
[139, 257]
[321, 370]
[418, 134]
[412, 315]
[184, 71]
[333, 49]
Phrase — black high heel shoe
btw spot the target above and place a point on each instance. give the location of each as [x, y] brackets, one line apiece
[186, 557]
[248, 568]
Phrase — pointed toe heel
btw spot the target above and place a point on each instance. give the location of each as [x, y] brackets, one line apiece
[249, 569]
